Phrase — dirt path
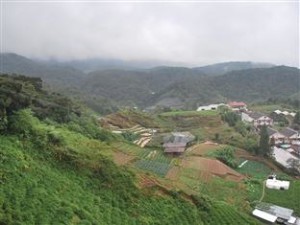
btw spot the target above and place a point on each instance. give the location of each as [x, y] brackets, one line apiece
[263, 192]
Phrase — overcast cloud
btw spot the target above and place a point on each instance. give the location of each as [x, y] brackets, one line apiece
[193, 33]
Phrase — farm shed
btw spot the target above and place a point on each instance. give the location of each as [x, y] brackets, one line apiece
[177, 142]
[265, 216]
[268, 212]
[277, 184]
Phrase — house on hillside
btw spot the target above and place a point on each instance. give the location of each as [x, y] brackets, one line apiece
[275, 135]
[238, 106]
[257, 119]
[275, 214]
[177, 142]
[291, 136]
[209, 107]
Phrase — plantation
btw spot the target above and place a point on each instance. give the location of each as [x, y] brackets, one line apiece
[227, 215]
[159, 168]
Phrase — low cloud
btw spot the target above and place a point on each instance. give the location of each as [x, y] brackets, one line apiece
[192, 33]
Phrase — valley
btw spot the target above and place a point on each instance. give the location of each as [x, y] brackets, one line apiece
[62, 157]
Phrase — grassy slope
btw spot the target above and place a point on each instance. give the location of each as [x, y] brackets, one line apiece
[288, 199]
[36, 190]
[71, 183]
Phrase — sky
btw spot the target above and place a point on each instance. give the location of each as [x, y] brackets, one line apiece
[186, 32]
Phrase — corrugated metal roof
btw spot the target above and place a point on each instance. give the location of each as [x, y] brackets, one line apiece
[271, 131]
[263, 215]
[288, 132]
[177, 141]
[275, 210]
[256, 115]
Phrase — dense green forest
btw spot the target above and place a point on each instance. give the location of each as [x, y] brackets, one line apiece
[56, 168]
[111, 87]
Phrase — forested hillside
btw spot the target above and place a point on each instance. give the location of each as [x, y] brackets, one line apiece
[247, 85]
[107, 90]
[57, 75]
[222, 68]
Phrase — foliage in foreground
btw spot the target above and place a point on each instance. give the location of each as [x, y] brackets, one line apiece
[51, 175]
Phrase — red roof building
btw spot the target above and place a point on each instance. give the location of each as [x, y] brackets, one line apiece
[237, 104]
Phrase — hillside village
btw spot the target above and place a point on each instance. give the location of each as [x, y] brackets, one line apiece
[149, 112]
[182, 146]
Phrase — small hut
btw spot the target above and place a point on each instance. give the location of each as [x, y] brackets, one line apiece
[176, 142]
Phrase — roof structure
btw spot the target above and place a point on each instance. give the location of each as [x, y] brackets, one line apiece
[263, 215]
[277, 184]
[271, 131]
[209, 107]
[237, 104]
[277, 111]
[278, 211]
[177, 141]
[286, 113]
[288, 132]
[255, 115]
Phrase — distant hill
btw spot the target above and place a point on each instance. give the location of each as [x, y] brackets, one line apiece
[130, 87]
[247, 85]
[95, 64]
[106, 90]
[222, 68]
[53, 74]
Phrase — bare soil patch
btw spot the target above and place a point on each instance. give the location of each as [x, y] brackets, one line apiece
[121, 158]
[145, 181]
[205, 176]
[173, 173]
[212, 166]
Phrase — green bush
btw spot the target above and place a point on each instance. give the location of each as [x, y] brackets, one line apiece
[226, 155]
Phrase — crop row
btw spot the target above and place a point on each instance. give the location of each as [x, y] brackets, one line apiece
[153, 166]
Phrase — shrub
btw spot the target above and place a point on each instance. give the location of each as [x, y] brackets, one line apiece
[226, 155]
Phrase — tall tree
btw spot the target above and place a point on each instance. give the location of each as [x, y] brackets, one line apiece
[264, 146]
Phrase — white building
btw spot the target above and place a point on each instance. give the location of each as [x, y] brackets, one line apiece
[275, 214]
[209, 107]
[257, 119]
[277, 184]
[286, 113]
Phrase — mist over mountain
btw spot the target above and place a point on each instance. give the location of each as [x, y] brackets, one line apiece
[53, 74]
[181, 87]
[222, 68]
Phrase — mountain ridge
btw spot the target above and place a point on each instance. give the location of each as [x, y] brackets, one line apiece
[179, 87]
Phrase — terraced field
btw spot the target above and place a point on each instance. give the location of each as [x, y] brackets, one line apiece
[212, 166]
[159, 168]
[121, 158]
[203, 148]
